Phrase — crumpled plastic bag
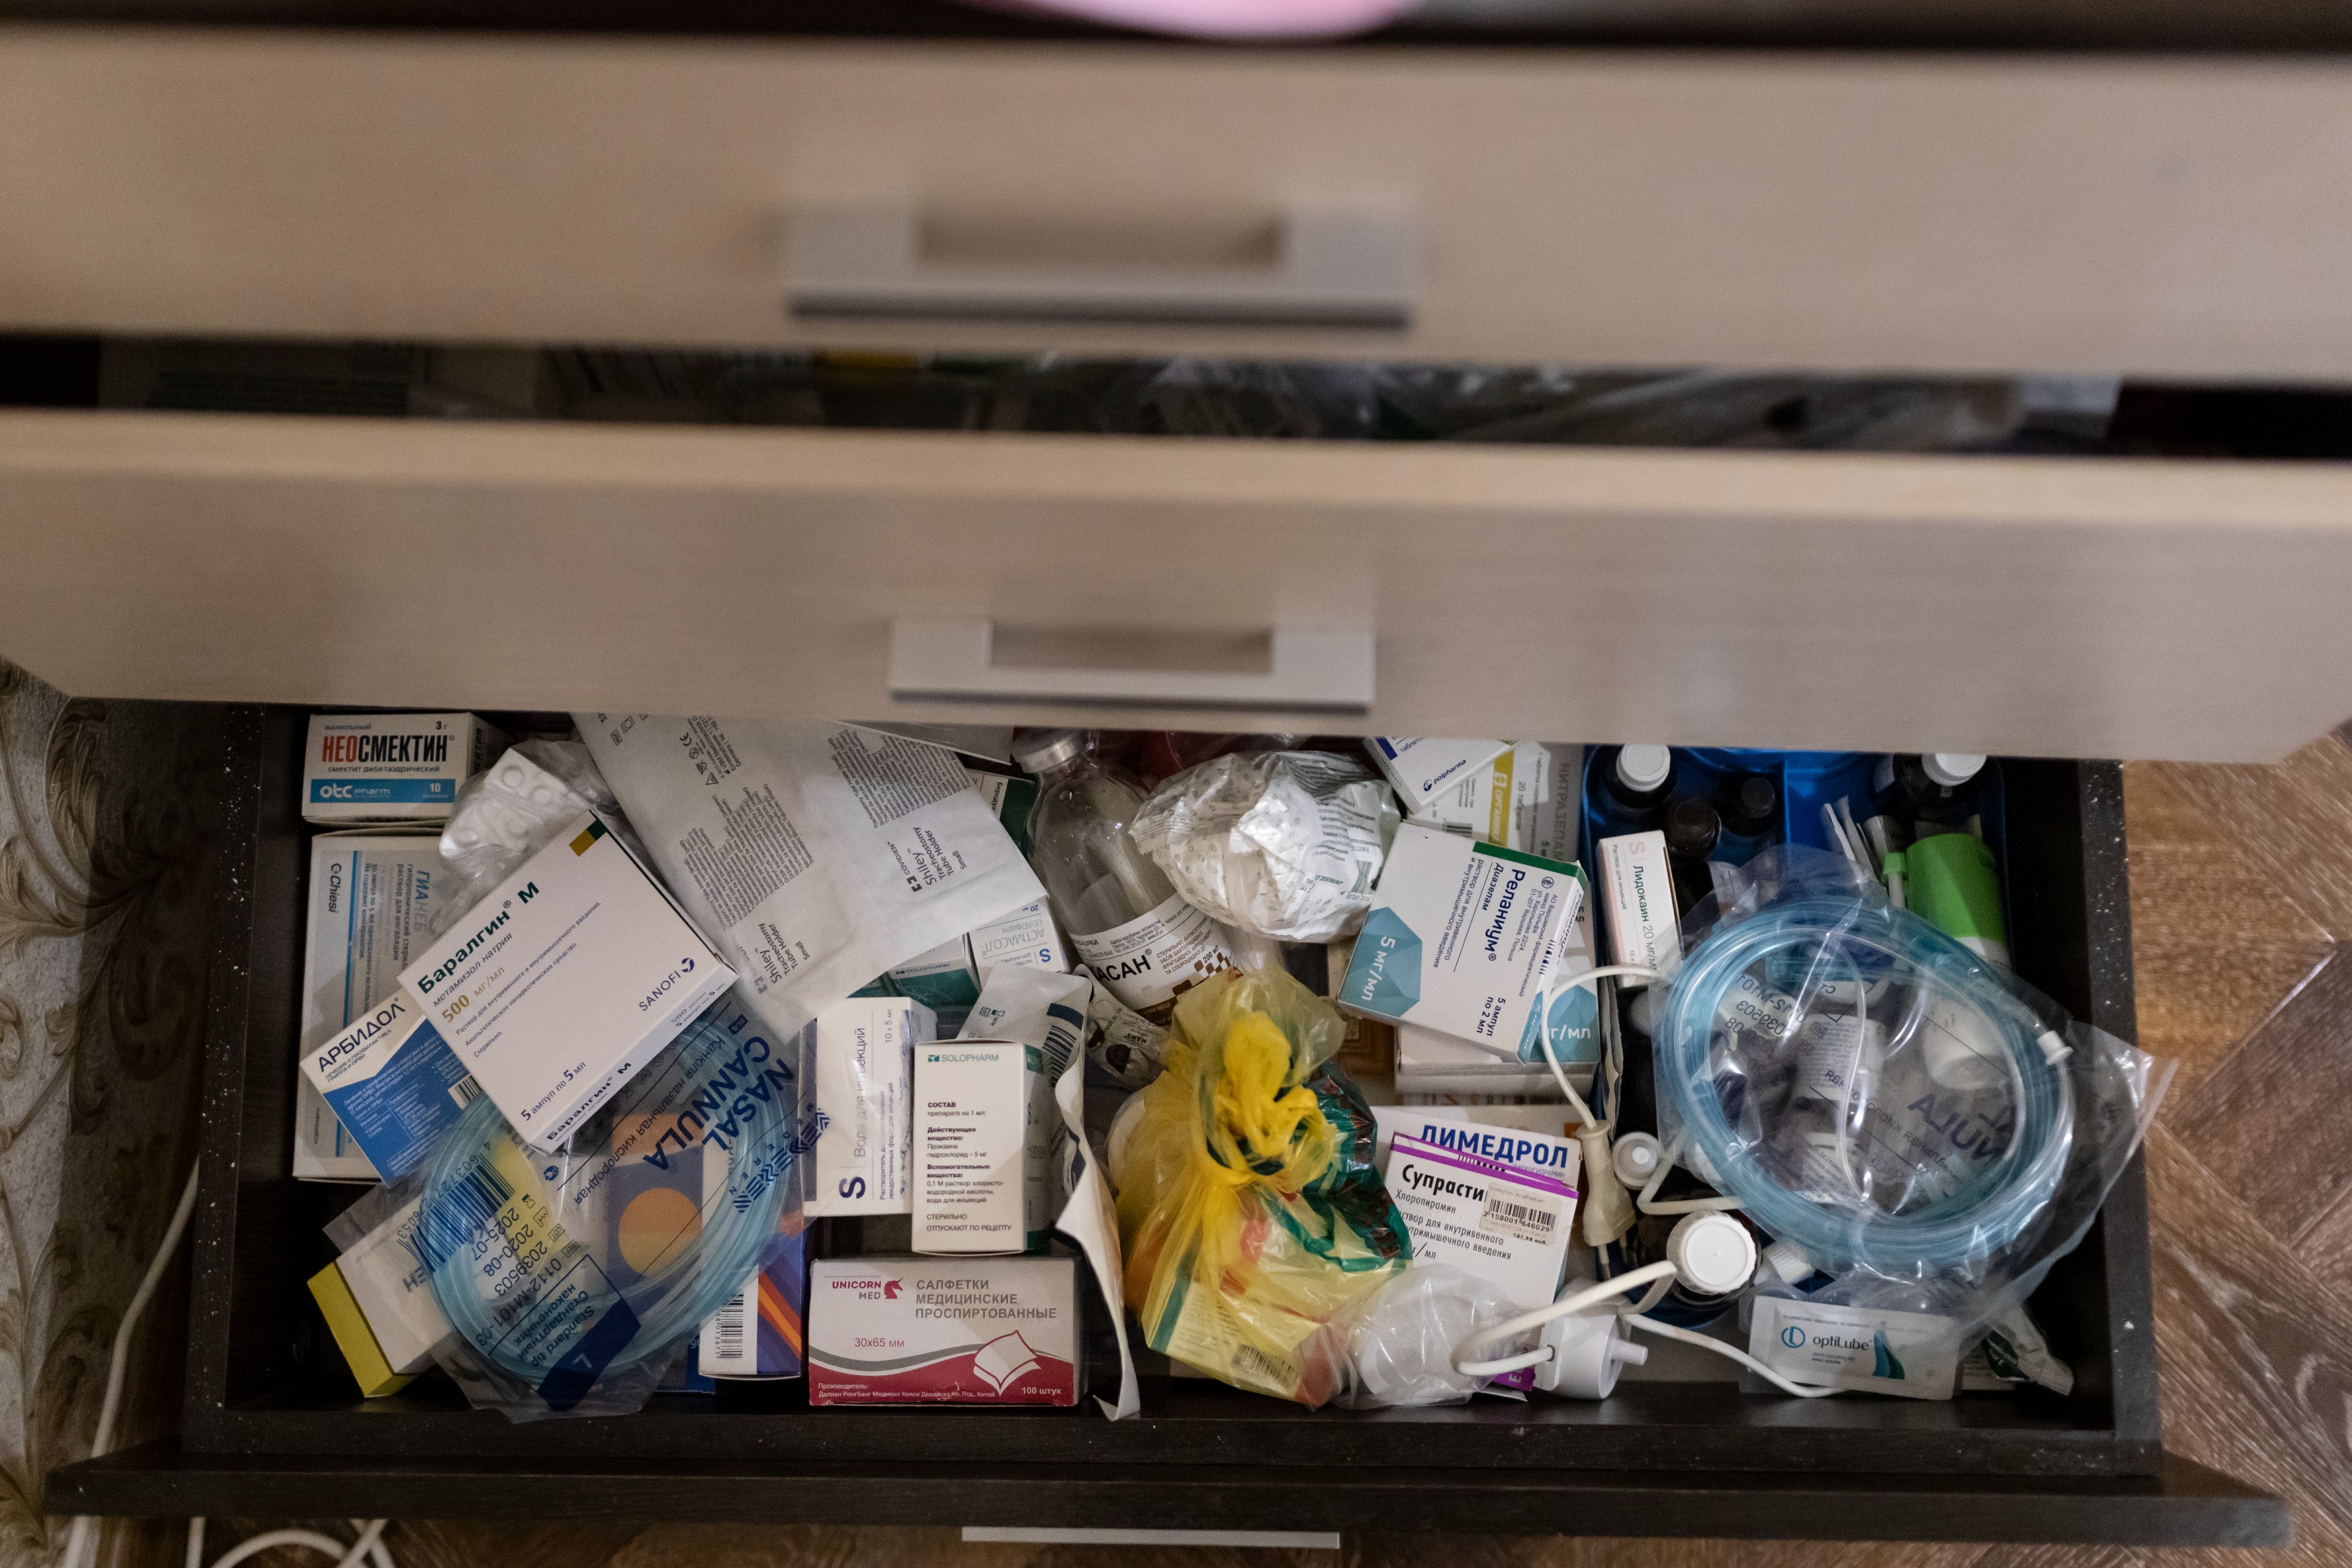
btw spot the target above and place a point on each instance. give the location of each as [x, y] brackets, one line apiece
[1284, 843]
[1250, 1215]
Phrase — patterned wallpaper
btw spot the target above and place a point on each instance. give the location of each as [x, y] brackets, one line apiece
[106, 813]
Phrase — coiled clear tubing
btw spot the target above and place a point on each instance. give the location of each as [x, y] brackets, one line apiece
[526, 1247]
[1722, 1076]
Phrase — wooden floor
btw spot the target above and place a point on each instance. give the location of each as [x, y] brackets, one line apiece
[2242, 893]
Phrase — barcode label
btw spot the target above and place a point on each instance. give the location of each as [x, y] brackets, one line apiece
[465, 1091]
[730, 1347]
[463, 1208]
[1514, 1211]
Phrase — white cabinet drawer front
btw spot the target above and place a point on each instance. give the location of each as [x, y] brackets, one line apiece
[2061, 214]
[2014, 606]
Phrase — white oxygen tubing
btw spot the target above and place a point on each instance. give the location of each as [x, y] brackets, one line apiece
[1659, 1275]
[1646, 1199]
[80, 1539]
[369, 1541]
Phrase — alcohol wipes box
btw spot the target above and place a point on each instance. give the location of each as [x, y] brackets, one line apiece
[912, 1330]
[983, 1138]
[1461, 939]
[569, 977]
[392, 767]
[1425, 771]
[864, 1052]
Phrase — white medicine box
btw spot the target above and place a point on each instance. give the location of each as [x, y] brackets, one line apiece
[392, 767]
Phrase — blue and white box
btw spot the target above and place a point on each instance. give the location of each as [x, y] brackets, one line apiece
[393, 1082]
[374, 899]
[392, 767]
[1465, 937]
[565, 980]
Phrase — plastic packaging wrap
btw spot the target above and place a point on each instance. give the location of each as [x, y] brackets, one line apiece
[1401, 1339]
[1284, 845]
[510, 811]
[573, 1280]
[1932, 1132]
[1252, 1216]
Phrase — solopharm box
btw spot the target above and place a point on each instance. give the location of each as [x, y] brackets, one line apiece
[392, 767]
[570, 977]
[864, 1052]
[984, 1134]
[972, 1331]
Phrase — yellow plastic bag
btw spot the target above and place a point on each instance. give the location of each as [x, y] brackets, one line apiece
[1250, 1212]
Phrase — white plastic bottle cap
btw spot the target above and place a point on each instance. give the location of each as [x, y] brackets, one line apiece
[1644, 767]
[1712, 1253]
[1787, 1262]
[1952, 769]
[1634, 1158]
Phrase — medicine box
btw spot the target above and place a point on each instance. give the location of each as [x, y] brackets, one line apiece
[760, 1333]
[392, 1083]
[569, 977]
[1461, 937]
[1506, 1224]
[904, 1331]
[373, 898]
[392, 767]
[378, 1301]
[1637, 903]
[983, 1135]
[1531, 1137]
[1427, 1062]
[1424, 772]
[863, 1050]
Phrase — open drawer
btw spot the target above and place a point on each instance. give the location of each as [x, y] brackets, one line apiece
[271, 1424]
[2017, 605]
[2071, 213]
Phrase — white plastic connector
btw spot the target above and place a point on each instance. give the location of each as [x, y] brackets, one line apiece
[1587, 1350]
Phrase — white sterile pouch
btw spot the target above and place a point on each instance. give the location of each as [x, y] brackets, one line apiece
[815, 855]
[1284, 843]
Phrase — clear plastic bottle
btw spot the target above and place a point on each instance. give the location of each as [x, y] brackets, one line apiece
[1125, 922]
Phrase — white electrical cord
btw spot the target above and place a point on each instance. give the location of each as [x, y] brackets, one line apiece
[1574, 1302]
[1660, 1275]
[81, 1538]
[345, 1557]
[1645, 1199]
[1705, 1342]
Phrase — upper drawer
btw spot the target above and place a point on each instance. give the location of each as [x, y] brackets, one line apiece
[2018, 605]
[2072, 213]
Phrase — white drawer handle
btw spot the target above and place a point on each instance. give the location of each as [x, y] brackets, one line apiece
[972, 659]
[1325, 270]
